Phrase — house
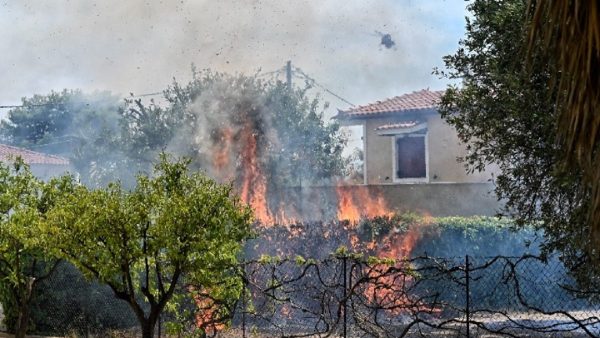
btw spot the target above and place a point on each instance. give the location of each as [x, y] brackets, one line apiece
[42, 165]
[410, 154]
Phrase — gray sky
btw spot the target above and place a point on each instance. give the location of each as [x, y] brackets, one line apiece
[139, 46]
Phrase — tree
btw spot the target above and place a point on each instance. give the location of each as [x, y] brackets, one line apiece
[294, 144]
[570, 30]
[506, 112]
[24, 258]
[174, 228]
[83, 127]
[105, 140]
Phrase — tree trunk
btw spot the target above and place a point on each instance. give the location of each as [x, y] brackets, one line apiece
[147, 329]
[22, 320]
[149, 324]
[24, 309]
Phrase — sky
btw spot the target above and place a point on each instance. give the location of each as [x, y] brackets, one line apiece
[139, 46]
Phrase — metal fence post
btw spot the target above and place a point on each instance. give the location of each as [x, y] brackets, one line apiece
[345, 305]
[468, 303]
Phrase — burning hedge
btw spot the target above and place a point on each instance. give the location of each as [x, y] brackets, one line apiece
[397, 236]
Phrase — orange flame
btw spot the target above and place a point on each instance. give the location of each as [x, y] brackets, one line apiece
[389, 291]
[254, 185]
[399, 246]
[353, 202]
[356, 202]
[205, 318]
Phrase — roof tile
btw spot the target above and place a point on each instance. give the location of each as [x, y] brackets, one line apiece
[8, 153]
[421, 100]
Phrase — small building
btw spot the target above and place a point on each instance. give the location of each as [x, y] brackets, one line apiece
[411, 154]
[42, 165]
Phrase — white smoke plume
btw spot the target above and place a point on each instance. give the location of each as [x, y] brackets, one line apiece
[138, 46]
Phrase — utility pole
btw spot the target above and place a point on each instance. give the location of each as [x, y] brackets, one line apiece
[288, 74]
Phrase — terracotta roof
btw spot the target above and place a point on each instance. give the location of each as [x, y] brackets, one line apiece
[401, 125]
[422, 100]
[8, 153]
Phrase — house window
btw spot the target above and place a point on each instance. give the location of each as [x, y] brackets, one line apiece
[410, 156]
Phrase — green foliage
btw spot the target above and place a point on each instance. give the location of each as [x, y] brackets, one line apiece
[82, 127]
[475, 236]
[374, 260]
[268, 259]
[505, 110]
[309, 149]
[455, 236]
[215, 304]
[341, 251]
[300, 260]
[172, 227]
[294, 143]
[106, 140]
[380, 226]
[24, 260]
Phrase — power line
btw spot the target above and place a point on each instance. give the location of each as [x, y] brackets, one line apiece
[26, 105]
[314, 82]
[147, 94]
[11, 106]
[274, 73]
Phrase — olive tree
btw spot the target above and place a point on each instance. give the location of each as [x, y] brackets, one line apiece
[173, 228]
[506, 111]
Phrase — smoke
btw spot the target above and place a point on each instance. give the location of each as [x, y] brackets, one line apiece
[138, 46]
[263, 137]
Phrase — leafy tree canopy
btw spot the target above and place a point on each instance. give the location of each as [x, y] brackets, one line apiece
[174, 228]
[504, 109]
[105, 139]
[82, 127]
[294, 144]
[24, 260]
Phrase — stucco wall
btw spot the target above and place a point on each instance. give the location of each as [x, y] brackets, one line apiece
[441, 199]
[443, 147]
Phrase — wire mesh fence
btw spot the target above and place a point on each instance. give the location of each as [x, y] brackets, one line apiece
[347, 296]
[68, 305]
[352, 296]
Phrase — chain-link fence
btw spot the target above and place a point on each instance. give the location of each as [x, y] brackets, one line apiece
[350, 296]
[67, 304]
[347, 296]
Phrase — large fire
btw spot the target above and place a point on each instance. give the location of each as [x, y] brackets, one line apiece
[353, 202]
[237, 157]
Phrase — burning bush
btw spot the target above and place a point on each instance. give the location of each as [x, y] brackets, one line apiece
[396, 236]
